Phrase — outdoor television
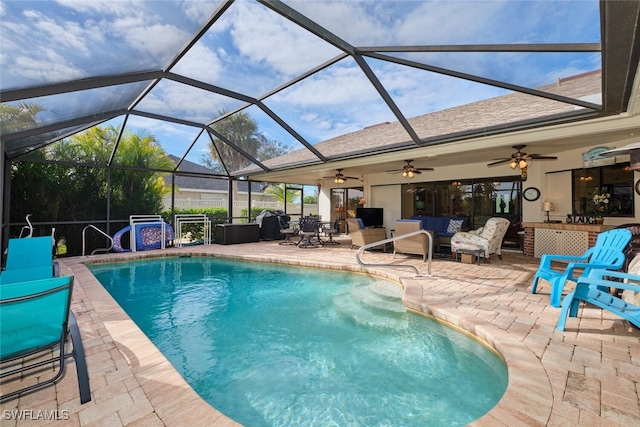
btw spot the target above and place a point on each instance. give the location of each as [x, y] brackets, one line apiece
[371, 217]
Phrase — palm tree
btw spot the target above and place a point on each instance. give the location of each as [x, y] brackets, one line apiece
[241, 130]
[277, 191]
[18, 117]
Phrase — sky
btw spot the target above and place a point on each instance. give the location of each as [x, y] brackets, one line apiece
[251, 50]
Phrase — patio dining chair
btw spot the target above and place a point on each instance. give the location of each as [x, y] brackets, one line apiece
[287, 230]
[606, 254]
[331, 231]
[35, 318]
[309, 231]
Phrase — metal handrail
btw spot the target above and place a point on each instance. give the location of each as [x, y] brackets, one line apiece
[393, 239]
[101, 232]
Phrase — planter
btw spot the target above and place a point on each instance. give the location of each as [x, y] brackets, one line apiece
[599, 221]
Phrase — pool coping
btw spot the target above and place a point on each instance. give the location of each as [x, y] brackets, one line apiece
[527, 400]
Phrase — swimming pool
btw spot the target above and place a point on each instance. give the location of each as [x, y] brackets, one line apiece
[275, 345]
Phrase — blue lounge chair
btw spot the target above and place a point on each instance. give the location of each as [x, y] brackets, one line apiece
[594, 289]
[29, 259]
[35, 317]
[607, 254]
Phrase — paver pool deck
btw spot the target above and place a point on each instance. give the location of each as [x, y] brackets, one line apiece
[588, 375]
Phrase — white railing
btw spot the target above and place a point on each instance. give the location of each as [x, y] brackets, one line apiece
[238, 205]
[182, 219]
[361, 250]
[84, 243]
[141, 221]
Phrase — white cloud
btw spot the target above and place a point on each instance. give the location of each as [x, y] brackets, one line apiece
[265, 37]
[200, 63]
[176, 99]
[196, 10]
[337, 85]
[350, 20]
[48, 67]
[67, 34]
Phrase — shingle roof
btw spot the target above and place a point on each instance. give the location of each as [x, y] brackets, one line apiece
[490, 114]
[201, 183]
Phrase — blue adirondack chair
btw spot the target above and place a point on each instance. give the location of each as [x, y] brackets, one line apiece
[607, 254]
[35, 317]
[594, 289]
[28, 259]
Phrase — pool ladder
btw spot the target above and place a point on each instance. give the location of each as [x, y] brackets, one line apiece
[393, 239]
[95, 251]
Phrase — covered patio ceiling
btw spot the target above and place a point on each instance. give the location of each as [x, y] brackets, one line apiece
[310, 72]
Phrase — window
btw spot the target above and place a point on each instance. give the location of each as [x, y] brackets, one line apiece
[617, 180]
[477, 199]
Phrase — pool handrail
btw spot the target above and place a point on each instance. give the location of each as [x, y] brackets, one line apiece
[392, 239]
[84, 242]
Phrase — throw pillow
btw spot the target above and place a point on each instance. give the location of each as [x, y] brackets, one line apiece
[455, 225]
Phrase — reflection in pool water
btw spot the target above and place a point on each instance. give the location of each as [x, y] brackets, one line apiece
[275, 345]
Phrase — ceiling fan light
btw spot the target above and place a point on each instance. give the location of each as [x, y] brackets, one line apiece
[404, 174]
[523, 164]
[513, 164]
[410, 174]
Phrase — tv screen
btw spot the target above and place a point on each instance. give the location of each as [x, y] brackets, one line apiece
[371, 217]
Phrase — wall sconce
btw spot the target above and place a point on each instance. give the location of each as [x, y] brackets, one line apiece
[547, 207]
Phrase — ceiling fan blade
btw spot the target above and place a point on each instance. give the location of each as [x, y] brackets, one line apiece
[499, 161]
[424, 169]
[351, 177]
[538, 156]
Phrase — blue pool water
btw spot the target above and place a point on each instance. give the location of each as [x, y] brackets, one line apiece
[274, 345]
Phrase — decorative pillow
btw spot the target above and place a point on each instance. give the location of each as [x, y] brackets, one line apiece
[455, 225]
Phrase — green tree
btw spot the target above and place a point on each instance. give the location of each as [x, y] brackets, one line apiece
[277, 191]
[18, 117]
[243, 132]
[310, 199]
[59, 192]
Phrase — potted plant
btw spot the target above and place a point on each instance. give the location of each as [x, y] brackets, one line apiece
[601, 206]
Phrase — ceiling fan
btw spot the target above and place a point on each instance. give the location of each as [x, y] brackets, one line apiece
[408, 170]
[520, 159]
[339, 178]
[517, 158]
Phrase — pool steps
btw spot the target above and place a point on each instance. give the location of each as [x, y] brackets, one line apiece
[374, 305]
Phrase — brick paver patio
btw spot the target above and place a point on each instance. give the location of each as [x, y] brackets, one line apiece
[588, 375]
